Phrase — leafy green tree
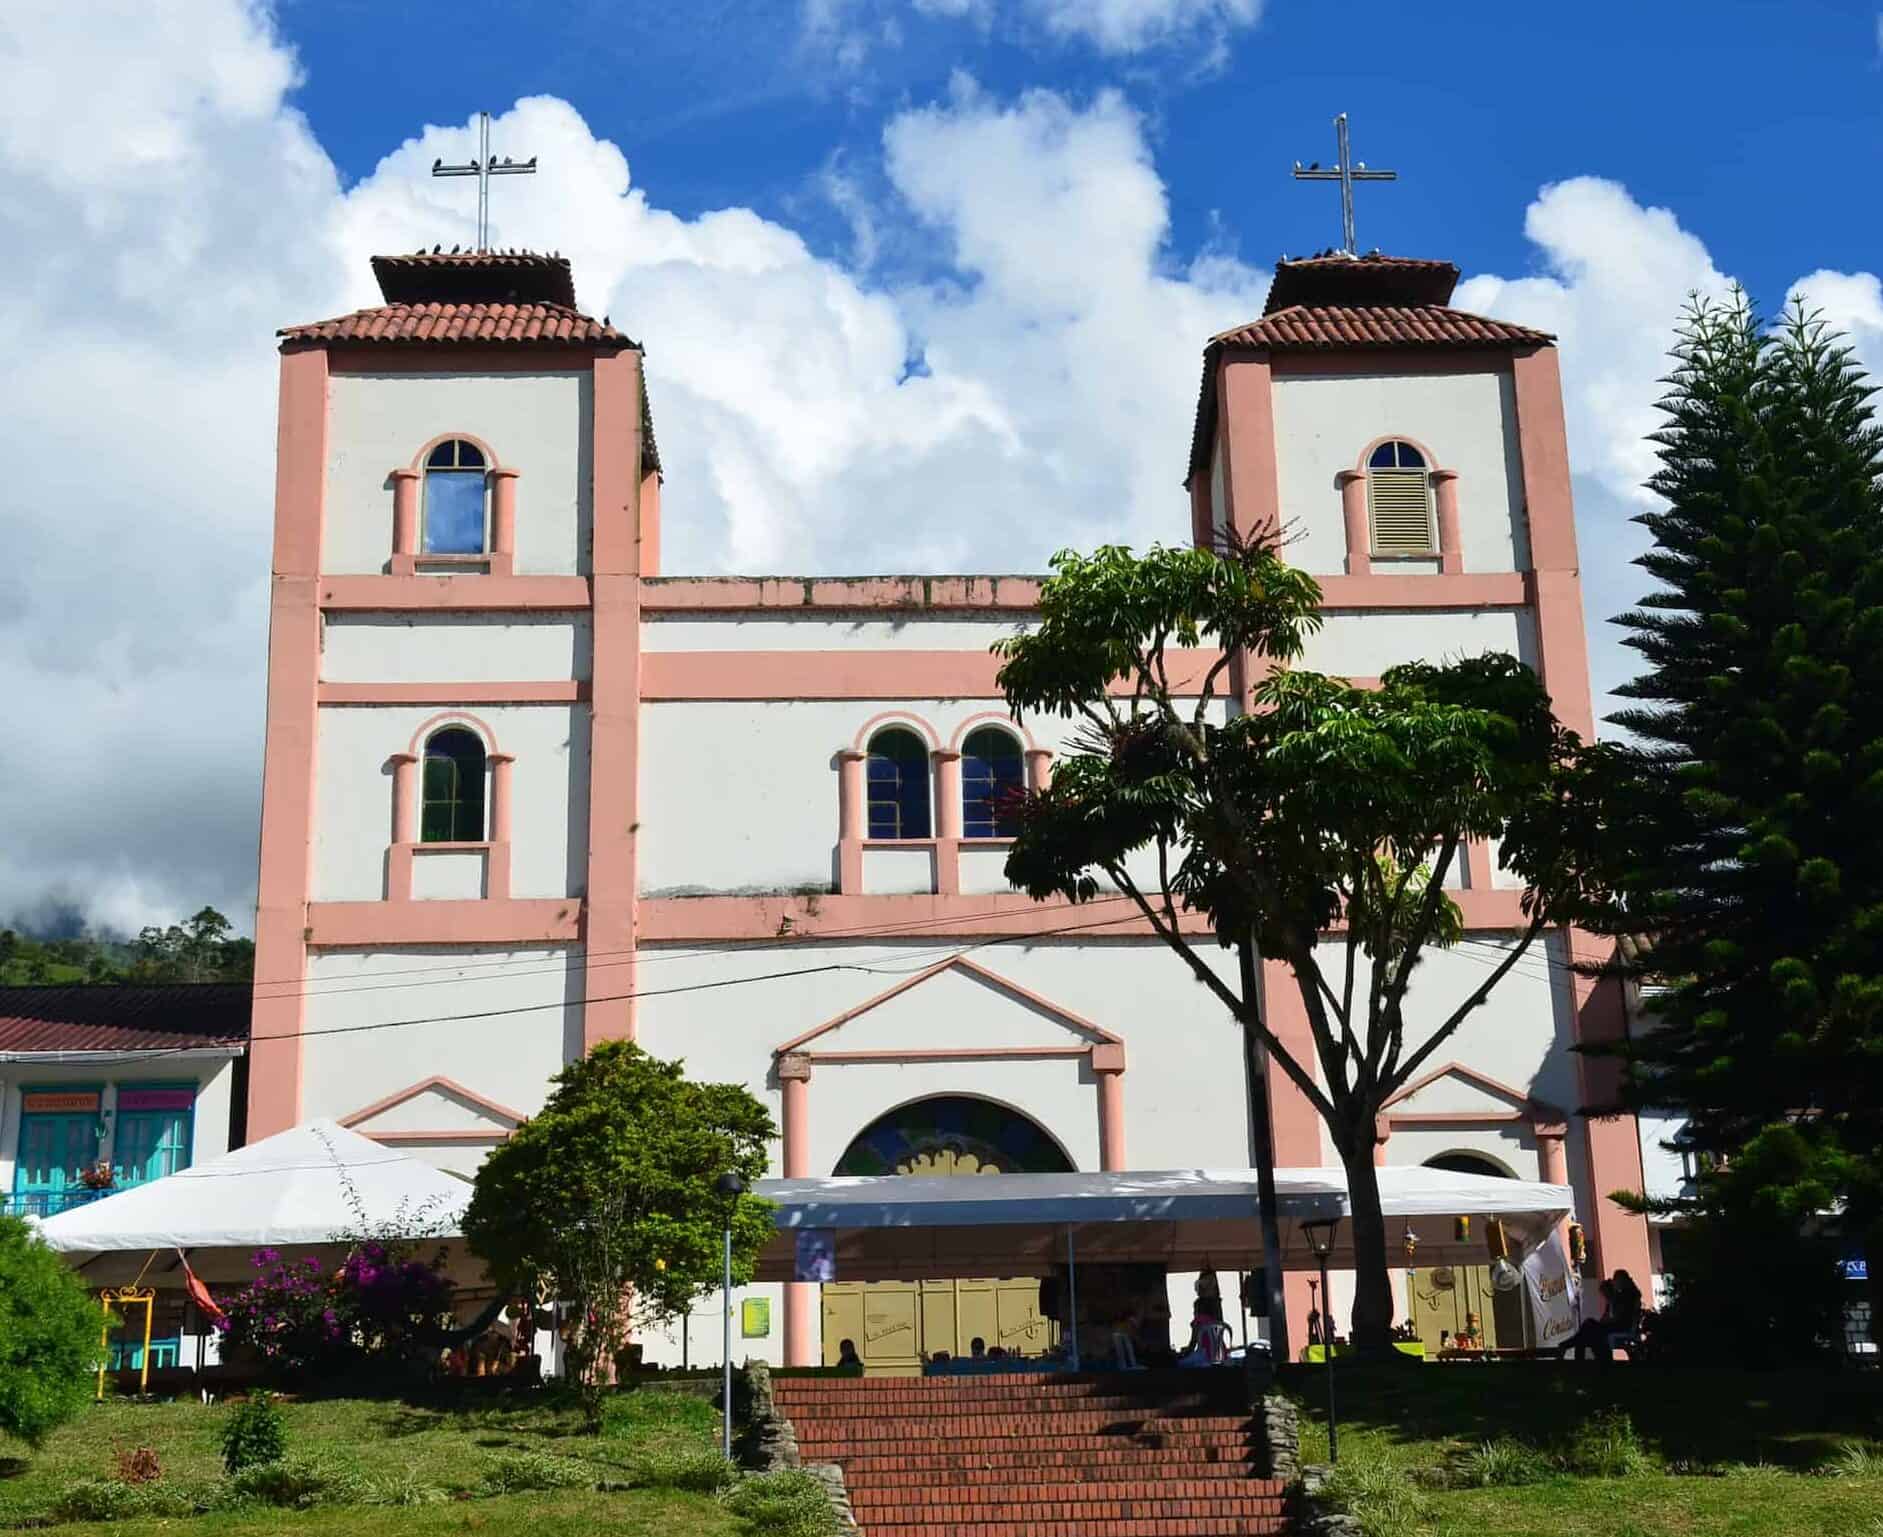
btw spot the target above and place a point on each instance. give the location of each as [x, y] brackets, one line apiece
[1317, 829]
[49, 1332]
[1756, 872]
[203, 948]
[608, 1197]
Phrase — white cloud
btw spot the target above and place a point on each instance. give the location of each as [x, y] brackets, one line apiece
[1851, 302]
[170, 209]
[1129, 26]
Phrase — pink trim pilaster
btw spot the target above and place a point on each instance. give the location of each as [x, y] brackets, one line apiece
[1552, 1154]
[850, 813]
[1039, 769]
[615, 691]
[947, 821]
[503, 521]
[1352, 484]
[405, 484]
[1451, 550]
[1251, 483]
[1613, 1143]
[1382, 1134]
[502, 798]
[802, 1310]
[650, 524]
[1108, 1066]
[1296, 1123]
[287, 830]
[405, 797]
[1478, 873]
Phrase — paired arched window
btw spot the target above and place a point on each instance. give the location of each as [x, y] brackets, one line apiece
[898, 784]
[456, 518]
[1399, 500]
[452, 789]
[993, 775]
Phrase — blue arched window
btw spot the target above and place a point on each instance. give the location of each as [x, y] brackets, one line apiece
[456, 521]
[453, 809]
[993, 774]
[898, 784]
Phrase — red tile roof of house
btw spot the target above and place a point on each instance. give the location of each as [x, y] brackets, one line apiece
[472, 275]
[1337, 278]
[486, 323]
[1314, 327]
[126, 1017]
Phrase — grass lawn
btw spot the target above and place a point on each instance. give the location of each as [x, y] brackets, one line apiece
[1626, 1452]
[417, 1467]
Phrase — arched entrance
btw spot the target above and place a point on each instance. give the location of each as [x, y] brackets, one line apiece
[1444, 1301]
[894, 1324]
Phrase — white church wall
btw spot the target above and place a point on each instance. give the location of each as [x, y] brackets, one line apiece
[736, 632]
[1364, 643]
[409, 995]
[453, 648]
[897, 872]
[1467, 420]
[538, 424]
[353, 790]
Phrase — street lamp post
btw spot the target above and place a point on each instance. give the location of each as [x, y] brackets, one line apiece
[1320, 1237]
[731, 1186]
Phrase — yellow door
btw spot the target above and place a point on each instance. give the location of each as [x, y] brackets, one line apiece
[1445, 1298]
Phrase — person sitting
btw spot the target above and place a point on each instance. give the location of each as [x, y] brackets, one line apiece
[1209, 1341]
[997, 1353]
[977, 1347]
[1619, 1319]
[1124, 1342]
[847, 1358]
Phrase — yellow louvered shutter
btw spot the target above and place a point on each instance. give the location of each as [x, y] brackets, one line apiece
[1399, 506]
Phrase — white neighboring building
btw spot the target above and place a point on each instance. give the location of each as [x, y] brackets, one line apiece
[524, 793]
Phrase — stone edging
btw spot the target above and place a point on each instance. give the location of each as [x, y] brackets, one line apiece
[770, 1444]
[1312, 1514]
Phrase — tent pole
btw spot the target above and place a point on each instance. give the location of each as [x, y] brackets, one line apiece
[1072, 1294]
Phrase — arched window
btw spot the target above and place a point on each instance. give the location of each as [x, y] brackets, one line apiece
[1399, 500]
[456, 521]
[993, 773]
[898, 784]
[453, 806]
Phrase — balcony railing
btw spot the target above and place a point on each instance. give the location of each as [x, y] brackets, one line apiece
[49, 1203]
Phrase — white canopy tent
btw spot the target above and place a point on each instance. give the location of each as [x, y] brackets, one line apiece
[904, 1227]
[288, 1192]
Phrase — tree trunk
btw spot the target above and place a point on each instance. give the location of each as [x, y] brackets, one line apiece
[1371, 1328]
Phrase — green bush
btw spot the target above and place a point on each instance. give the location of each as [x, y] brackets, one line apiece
[1605, 1445]
[255, 1435]
[1501, 1464]
[700, 1472]
[48, 1336]
[518, 1472]
[99, 1499]
[298, 1483]
[1857, 1459]
[1380, 1495]
[787, 1504]
[401, 1489]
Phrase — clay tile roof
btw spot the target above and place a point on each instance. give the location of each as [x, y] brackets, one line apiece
[470, 275]
[1337, 278]
[125, 1017]
[501, 324]
[1341, 325]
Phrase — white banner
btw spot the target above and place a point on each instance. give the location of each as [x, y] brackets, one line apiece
[1553, 1292]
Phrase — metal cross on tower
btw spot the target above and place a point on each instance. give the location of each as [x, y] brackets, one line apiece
[485, 166]
[1347, 173]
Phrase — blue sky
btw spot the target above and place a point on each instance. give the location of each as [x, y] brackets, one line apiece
[923, 286]
[1756, 122]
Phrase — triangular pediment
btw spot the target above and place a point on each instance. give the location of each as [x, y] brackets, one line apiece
[957, 1006]
[1456, 1090]
[434, 1105]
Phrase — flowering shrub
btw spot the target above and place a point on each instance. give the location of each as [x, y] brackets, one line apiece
[295, 1317]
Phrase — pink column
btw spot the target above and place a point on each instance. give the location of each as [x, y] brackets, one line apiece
[497, 861]
[1352, 485]
[503, 520]
[947, 821]
[1108, 1065]
[851, 812]
[1039, 769]
[1477, 861]
[1553, 1161]
[405, 788]
[405, 483]
[1451, 550]
[1382, 1134]
[801, 1297]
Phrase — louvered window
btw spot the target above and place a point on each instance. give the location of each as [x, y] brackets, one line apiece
[1399, 501]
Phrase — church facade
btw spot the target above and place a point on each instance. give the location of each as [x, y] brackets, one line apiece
[524, 792]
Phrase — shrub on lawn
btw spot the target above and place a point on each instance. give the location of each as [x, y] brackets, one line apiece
[138, 1465]
[401, 1489]
[1380, 1495]
[299, 1483]
[1606, 1445]
[48, 1336]
[98, 1499]
[787, 1504]
[255, 1435]
[699, 1472]
[518, 1472]
[1501, 1464]
[1857, 1459]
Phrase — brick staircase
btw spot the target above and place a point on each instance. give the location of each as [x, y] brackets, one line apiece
[1139, 1454]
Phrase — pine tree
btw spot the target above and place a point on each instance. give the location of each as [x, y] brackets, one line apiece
[1758, 862]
